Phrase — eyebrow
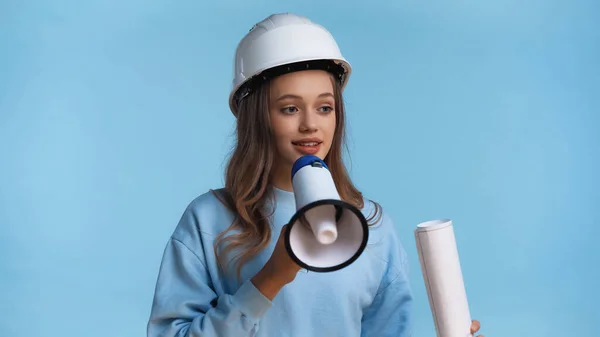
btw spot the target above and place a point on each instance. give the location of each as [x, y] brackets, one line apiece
[291, 96]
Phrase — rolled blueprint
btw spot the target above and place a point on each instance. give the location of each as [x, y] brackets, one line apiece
[443, 278]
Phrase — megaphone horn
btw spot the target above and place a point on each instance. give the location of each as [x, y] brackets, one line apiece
[326, 233]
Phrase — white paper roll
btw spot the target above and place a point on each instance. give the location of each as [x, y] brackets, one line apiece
[443, 278]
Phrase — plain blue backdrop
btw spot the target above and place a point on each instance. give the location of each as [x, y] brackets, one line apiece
[114, 116]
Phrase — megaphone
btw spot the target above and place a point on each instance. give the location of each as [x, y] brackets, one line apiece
[326, 233]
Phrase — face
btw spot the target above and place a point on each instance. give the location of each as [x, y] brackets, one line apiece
[302, 115]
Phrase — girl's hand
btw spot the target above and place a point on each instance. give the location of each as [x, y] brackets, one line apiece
[475, 325]
[280, 265]
[279, 270]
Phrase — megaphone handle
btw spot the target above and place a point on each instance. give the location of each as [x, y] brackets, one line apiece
[303, 221]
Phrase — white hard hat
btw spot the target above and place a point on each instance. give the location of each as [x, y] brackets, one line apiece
[283, 43]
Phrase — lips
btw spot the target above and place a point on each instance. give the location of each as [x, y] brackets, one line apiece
[308, 145]
[307, 142]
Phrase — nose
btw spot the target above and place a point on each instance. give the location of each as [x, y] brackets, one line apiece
[308, 122]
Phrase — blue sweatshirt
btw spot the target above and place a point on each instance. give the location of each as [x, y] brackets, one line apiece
[193, 298]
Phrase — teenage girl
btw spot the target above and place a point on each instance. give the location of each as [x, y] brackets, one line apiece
[225, 271]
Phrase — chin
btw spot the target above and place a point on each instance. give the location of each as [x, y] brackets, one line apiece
[299, 155]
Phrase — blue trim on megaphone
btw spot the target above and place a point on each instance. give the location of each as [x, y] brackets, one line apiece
[306, 160]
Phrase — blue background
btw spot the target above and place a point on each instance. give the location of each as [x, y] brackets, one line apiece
[113, 116]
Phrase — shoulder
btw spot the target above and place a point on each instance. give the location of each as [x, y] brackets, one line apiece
[205, 214]
[380, 222]
[209, 203]
[384, 241]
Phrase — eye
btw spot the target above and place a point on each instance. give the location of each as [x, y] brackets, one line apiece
[326, 109]
[289, 110]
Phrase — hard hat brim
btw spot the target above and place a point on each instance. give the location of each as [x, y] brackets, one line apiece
[339, 68]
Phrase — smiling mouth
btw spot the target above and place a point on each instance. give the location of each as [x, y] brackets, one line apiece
[307, 142]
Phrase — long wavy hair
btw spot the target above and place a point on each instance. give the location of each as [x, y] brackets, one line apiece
[248, 172]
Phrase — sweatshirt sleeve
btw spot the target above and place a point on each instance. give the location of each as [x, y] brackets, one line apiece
[185, 303]
[390, 313]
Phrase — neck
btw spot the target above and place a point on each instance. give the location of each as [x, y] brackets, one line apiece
[281, 178]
